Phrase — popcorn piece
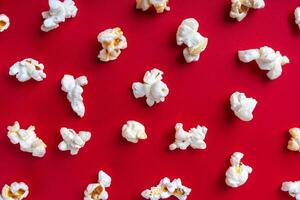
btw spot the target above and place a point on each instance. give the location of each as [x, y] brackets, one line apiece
[97, 191]
[294, 142]
[73, 141]
[132, 131]
[27, 139]
[159, 5]
[112, 41]
[16, 191]
[74, 89]
[266, 59]
[187, 34]
[194, 138]
[297, 16]
[153, 88]
[239, 8]
[26, 69]
[59, 11]
[242, 106]
[4, 22]
[237, 173]
[293, 188]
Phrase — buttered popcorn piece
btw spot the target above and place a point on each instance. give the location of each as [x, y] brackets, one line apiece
[59, 12]
[132, 131]
[74, 89]
[187, 34]
[266, 59]
[112, 41]
[237, 173]
[297, 16]
[242, 106]
[293, 188]
[97, 191]
[28, 69]
[294, 142]
[153, 88]
[16, 191]
[4, 22]
[194, 138]
[159, 5]
[239, 8]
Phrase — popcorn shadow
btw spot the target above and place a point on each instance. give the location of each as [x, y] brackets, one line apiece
[226, 17]
[229, 115]
[221, 178]
[145, 14]
[294, 27]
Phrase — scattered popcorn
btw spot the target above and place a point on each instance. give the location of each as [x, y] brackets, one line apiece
[97, 191]
[74, 89]
[132, 131]
[112, 41]
[153, 88]
[27, 139]
[294, 142]
[26, 69]
[242, 106]
[293, 188]
[187, 34]
[194, 138]
[16, 191]
[73, 141]
[4, 22]
[266, 59]
[237, 173]
[59, 11]
[297, 16]
[159, 5]
[239, 8]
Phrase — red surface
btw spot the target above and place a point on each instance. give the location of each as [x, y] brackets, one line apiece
[199, 94]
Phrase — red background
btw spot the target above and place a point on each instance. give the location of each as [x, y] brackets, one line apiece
[199, 94]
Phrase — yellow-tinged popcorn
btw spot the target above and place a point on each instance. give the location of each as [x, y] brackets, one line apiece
[16, 191]
[159, 5]
[4, 22]
[294, 142]
[239, 8]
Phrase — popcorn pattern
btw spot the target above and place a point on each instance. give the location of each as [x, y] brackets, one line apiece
[297, 16]
[293, 188]
[159, 5]
[16, 191]
[239, 8]
[4, 22]
[294, 142]
[132, 131]
[242, 106]
[97, 191]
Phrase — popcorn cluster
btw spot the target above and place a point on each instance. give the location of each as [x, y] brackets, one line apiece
[159, 5]
[194, 137]
[293, 188]
[97, 191]
[239, 8]
[242, 106]
[4, 22]
[187, 34]
[166, 189]
[59, 12]
[132, 131]
[153, 87]
[294, 142]
[297, 16]
[16, 191]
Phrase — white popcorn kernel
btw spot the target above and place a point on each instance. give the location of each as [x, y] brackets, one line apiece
[59, 12]
[194, 137]
[132, 131]
[73, 141]
[159, 5]
[26, 69]
[266, 59]
[242, 106]
[153, 88]
[297, 16]
[16, 191]
[97, 191]
[27, 139]
[74, 89]
[112, 41]
[293, 188]
[4, 22]
[187, 34]
[239, 8]
[294, 142]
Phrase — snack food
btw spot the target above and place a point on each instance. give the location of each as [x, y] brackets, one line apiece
[242, 106]
[133, 131]
[293, 188]
[16, 191]
[159, 5]
[239, 8]
[4, 22]
[294, 142]
[97, 191]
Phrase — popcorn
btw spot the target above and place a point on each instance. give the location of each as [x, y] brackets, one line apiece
[194, 138]
[74, 89]
[239, 8]
[16, 191]
[187, 34]
[153, 88]
[237, 173]
[266, 59]
[27, 139]
[59, 11]
[294, 142]
[97, 191]
[26, 69]
[112, 41]
[242, 106]
[159, 5]
[166, 189]
[293, 188]
[132, 131]
[73, 141]
[297, 16]
[4, 22]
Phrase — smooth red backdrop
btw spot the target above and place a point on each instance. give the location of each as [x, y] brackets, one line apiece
[199, 94]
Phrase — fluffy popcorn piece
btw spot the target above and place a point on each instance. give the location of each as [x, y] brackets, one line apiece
[239, 8]
[27, 139]
[187, 34]
[112, 41]
[242, 106]
[132, 131]
[26, 69]
[16, 191]
[4, 22]
[194, 137]
[297, 16]
[74, 89]
[153, 88]
[293, 188]
[97, 191]
[159, 5]
[266, 59]
[294, 142]
[59, 12]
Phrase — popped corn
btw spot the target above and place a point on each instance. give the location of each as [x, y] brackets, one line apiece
[132, 131]
[242, 106]
[294, 142]
[16, 191]
[159, 5]
[266, 59]
[153, 88]
[73, 141]
[4, 22]
[59, 12]
[237, 173]
[26, 69]
[239, 8]
[74, 89]
[27, 139]
[297, 16]
[293, 188]
[194, 137]
[97, 191]
[187, 34]
[112, 41]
